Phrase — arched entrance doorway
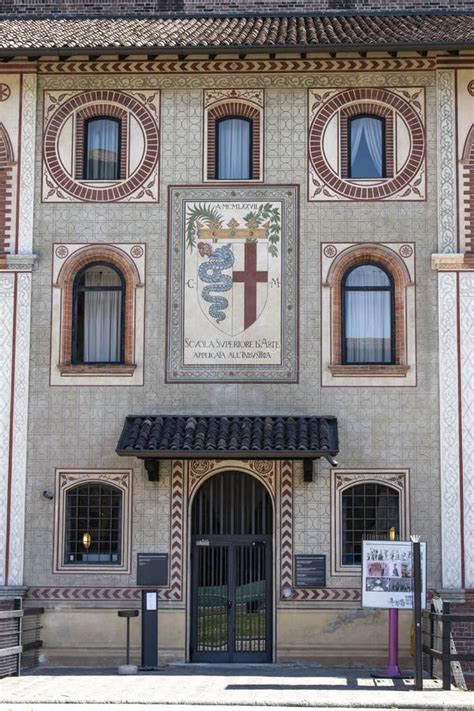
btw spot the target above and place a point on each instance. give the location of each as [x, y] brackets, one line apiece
[231, 578]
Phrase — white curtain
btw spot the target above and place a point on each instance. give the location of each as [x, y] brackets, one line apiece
[369, 129]
[367, 316]
[102, 149]
[233, 149]
[102, 317]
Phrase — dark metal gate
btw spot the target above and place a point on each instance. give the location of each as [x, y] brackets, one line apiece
[231, 571]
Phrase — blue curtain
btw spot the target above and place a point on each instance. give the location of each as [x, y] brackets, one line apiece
[366, 147]
[233, 149]
[368, 316]
[103, 137]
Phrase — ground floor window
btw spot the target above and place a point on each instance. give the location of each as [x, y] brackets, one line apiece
[366, 504]
[92, 521]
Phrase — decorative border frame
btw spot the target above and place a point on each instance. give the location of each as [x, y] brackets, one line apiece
[324, 184]
[341, 479]
[399, 257]
[233, 66]
[67, 260]
[287, 371]
[60, 107]
[67, 479]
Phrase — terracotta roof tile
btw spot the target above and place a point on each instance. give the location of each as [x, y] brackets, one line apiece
[209, 32]
[162, 436]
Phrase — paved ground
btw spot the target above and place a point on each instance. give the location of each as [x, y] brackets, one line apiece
[288, 686]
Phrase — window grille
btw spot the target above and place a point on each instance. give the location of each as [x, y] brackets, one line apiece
[369, 511]
[93, 525]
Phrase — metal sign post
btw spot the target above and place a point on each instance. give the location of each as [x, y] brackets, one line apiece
[417, 592]
[393, 670]
[391, 580]
[149, 630]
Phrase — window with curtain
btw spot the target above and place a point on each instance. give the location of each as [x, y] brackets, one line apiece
[366, 147]
[368, 316]
[234, 149]
[93, 524]
[99, 292]
[369, 511]
[102, 149]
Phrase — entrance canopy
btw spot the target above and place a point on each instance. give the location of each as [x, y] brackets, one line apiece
[154, 437]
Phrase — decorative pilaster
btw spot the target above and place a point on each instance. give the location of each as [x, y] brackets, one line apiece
[16, 265]
[7, 291]
[466, 288]
[447, 161]
[449, 432]
[27, 164]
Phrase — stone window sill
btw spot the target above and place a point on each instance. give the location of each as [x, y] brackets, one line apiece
[88, 370]
[369, 371]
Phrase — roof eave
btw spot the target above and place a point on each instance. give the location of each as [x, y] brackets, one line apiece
[226, 454]
[237, 49]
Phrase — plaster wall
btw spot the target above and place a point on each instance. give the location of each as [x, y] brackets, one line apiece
[383, 427]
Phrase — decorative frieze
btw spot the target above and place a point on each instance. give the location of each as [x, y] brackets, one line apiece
[235, 66]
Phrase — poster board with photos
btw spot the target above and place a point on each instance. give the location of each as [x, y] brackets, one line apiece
[387, 574]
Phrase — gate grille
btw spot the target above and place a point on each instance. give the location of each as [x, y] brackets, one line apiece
[232, 504]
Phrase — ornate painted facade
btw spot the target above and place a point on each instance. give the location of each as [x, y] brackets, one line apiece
[257, 335]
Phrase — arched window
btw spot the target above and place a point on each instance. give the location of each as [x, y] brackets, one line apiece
[369, 511]
[93, 525]
[234, 148]
[102, 149]
[98, 308]
[368, 316]
[366, 147]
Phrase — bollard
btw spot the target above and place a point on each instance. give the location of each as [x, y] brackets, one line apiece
[128, 668]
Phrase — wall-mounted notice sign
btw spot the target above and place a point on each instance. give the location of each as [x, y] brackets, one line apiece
[310, 571]
[152, 569]
[387, 574]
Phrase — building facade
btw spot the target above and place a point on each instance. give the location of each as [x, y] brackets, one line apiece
[236, 288]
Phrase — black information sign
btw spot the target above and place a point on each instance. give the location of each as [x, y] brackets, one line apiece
[152, 569]
[310, 571]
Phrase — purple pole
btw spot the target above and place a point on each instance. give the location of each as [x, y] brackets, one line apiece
[393, 670]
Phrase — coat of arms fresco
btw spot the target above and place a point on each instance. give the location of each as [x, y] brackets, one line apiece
[235, 269]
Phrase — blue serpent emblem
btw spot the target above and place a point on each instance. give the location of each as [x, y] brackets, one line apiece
[210, 273]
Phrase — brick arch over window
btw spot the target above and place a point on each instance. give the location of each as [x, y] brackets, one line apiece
[79, 260]
[468, 185]
[388, 260]
[100, 110]
[367, 108]
[236, 109]
[6, 167]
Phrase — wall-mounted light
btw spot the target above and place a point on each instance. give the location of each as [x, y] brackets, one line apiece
[287, 592]
[86, 540]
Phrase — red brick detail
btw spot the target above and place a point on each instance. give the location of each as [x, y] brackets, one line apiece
[463, 635]
[235, 109]
[373, 109]
[376, 254]
[468, 189]
[6, 184]
[356, 101]
[80, 259]
[124, 103]
[100, 111]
